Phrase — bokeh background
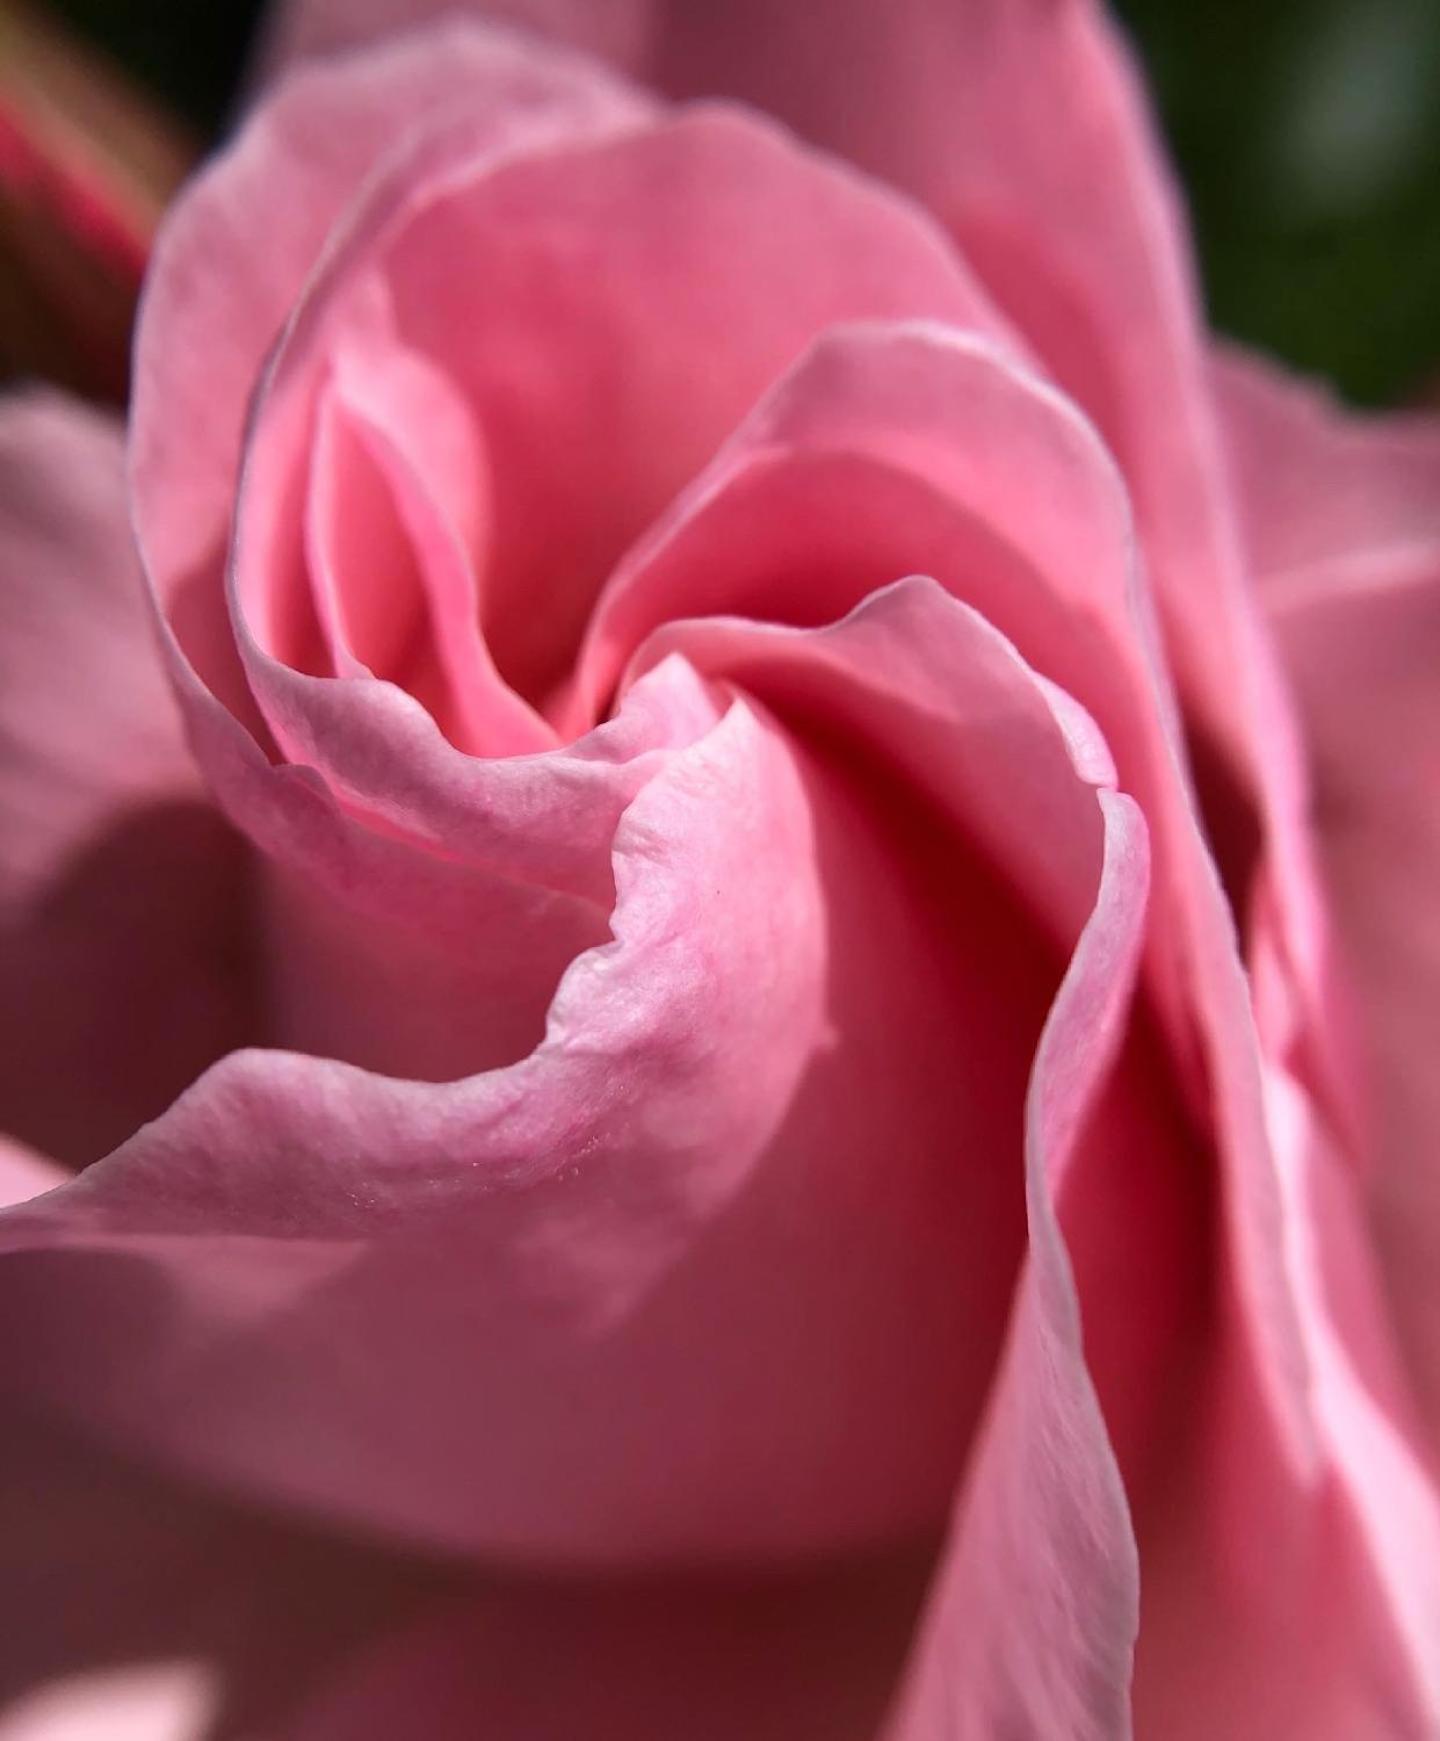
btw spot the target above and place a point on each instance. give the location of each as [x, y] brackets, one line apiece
[1307, 134]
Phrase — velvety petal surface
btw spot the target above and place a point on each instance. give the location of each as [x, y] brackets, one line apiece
[1023, 126]
[122, 892]
[464, 438]
[600, 1317]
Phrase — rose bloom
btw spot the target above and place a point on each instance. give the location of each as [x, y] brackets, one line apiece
[720, 926]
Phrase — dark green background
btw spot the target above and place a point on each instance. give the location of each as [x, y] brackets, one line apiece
[1307, 134]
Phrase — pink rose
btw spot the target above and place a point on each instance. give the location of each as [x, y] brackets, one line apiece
[718, 1162]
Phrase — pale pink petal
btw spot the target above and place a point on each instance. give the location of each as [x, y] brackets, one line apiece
[1343, 512]
[1362, 640]
[1023, 126]
[1316, 482]
[480, 880]
[895, 448]
[24, 1173]
[584, 1308]
[149, 1702]
[299, 30]
[426, 941]
[121, 890]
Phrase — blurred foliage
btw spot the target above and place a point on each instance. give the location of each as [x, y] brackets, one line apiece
[1307, 134]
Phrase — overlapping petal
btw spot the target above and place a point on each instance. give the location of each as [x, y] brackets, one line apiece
[821, 990]
[136, 1610]
[1344, 524]
[1022, 125]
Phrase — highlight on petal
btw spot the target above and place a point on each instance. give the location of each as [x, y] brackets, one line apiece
[840, 919]
[159, 1702]
[122, 895]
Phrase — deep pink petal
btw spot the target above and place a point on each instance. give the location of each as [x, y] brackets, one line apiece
[121, 890]
[679, 1660]
[600, 1316]
[1033, 1618]
[139, 1611]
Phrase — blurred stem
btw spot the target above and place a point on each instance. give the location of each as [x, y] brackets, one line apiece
[87, 166]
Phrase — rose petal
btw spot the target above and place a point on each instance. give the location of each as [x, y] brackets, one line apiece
[600, 1318]
[1316, 482]
[134, 1608]
[682, 1660]
[891, 448]
[378, 929]
[1335, 1634]
[1023, 126]
[121, 891]
[216, 297]
[1034, 1614]
[1344, 520]
[400, 933]
[575, 259]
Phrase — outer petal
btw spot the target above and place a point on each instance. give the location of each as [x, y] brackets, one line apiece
[416, 877]
[1022, 125]
[600, 1316]
[121, 891]
[1353, 630]
[1317, 483]
[299, 30]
